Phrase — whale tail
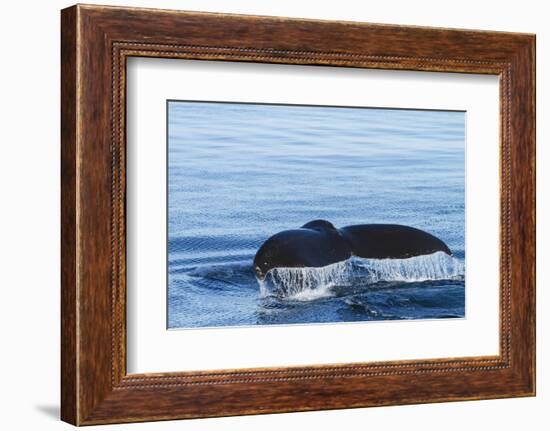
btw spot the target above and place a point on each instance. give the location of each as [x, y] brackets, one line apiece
[318, 244]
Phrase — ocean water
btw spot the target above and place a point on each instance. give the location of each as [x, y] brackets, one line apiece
[239, 173]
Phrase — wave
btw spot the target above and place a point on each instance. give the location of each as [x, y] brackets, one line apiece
[312, 283]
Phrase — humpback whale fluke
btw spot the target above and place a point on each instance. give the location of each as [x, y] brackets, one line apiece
[318, 243]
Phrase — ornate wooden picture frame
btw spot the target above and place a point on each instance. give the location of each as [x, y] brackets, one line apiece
[96, 41]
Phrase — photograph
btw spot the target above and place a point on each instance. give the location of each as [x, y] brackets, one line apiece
[281, 214]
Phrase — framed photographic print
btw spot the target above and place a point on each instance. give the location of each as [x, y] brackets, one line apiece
[265, 214]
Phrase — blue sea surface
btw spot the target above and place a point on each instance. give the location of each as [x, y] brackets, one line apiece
[239, 173]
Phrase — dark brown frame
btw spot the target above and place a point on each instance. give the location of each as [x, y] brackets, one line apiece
[95, 43]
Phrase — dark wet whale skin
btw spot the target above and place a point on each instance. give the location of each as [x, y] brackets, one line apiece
[318, 243]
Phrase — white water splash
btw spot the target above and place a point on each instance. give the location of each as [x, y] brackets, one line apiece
[310, 283]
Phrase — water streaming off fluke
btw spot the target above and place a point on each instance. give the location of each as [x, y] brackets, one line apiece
[310, 283]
